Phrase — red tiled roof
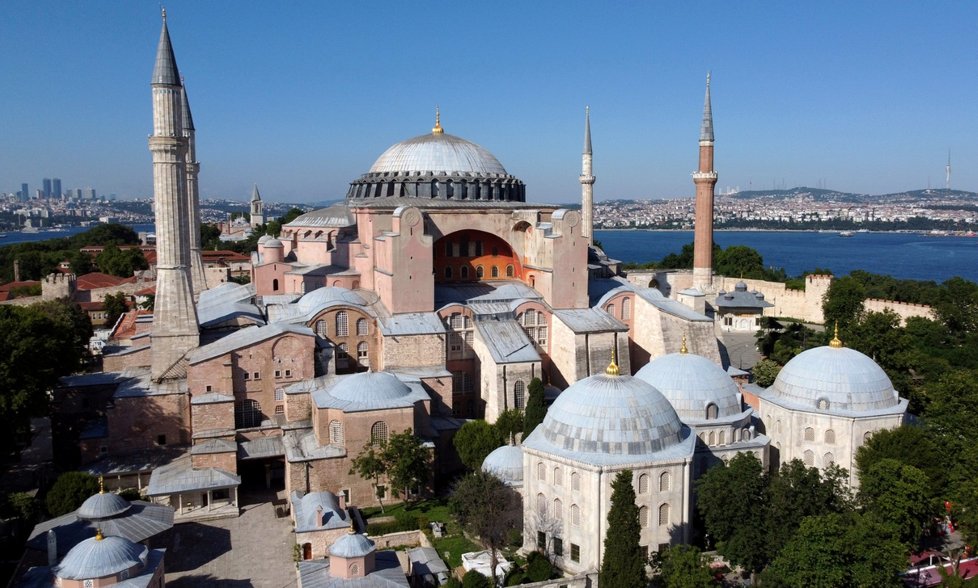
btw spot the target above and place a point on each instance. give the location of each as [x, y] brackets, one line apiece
[127, 326]
[21, 284]
[224, 256]
[150, 291]
[100, 280]
[90, 306]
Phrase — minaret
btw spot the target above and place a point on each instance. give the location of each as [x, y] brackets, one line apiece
[257, 208]
[587, 183]
[705, 179]
[175, 330]
[192, 167]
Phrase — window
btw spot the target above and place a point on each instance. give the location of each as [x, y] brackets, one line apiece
[822, 404]
[247, 414]
[575, 552]
[479, 272]
[575, 514]
[665, 482]
[643, 484]
[279, 394]
[663, 514]
[161, 439]
[711, 411]
[866, 436]
[809, 458]
[461, 383]
[321, 328]
[378, 432]
[575, 481]
[643, 517]
[558, 510]
[448, 249]
[830, 436]
[354, 570]
[362, 352]
[712, 439]
[828, 459]
[626, 309]
[541, 540]
[342, 356]
[519, 395]
[558, 477]
[478, 248]
[278, 374]
[745, 434]
[448, 272]
[541, 472]
[247, 375]
[275, 285]
[342, 324]
[464, 272]
[362, 327]
[494, 272]
[509, 271]
[208, 388]
[541, 505]
[611, 309]
[288, 373]
[558, 546]
[723, 438]
[454, 344]
[542, 336]
[256, 376]
[809, 434]
[279, 409]
[335, 432]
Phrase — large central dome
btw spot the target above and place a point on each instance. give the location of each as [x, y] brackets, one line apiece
[437, 153]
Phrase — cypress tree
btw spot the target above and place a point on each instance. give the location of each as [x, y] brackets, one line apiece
[623, 565]
[536, 409]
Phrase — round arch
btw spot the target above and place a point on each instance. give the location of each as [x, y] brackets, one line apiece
[456, 257]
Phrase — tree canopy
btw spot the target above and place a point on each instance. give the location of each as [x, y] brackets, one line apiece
[681, 566]
[536, 407]
[401, 459]
[69, 492]
[623, 565]
[488, 509]
[475, 440]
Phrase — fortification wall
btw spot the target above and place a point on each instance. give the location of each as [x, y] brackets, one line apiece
[904, 310]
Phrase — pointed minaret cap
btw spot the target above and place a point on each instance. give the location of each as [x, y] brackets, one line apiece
[706, 131]
[165, 71]
[255, 196]
[437, 130]
[587, 130]
[612, 369]
[836, 343]
[188, 119]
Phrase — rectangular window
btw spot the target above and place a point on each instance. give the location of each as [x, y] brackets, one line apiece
[541, 540]
[208, 388]
[279, 394]
[247, 376]
[558, 546]
[279, 409]
[575, 552]
[645, 552]
[161, 440]
[346, 495]
[256, 376]
[288, 373]
[278, 374]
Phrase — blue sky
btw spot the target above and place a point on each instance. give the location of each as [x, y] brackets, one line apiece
[301, 97]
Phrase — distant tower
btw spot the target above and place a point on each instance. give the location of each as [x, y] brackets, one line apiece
[46, 182]
[705, 179]
[587, 183]
[55, 188]
[947, 175]
[197, 279]
[175, 329]
[257, 208]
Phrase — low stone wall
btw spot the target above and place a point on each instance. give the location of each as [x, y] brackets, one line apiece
[904, 310]
[399, 539]
[585, 580]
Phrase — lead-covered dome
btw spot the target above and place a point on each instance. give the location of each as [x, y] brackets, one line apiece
[437, 153]
[834, 378]
[506, 463]
[691, 383]
[608, 419]
[352, 545]
[102, 506]
[99, 556]
[370, 385]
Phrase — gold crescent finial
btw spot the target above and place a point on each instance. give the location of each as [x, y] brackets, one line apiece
[101, 485]
[98, 534]
[437, 130]
[836, 343]
[612, 369]
[682, 346]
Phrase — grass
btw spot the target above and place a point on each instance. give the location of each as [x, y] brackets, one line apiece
[455, 545]
[433, 510]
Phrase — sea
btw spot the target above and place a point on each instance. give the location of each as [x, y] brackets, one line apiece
[910, 256]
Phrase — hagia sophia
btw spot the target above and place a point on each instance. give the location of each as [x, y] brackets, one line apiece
[435, 293]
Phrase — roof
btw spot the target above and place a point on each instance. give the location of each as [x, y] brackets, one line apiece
[165, 69]
[302, 445]
[93, 280]
[335, 216]
[210, 446]
[188, 119]
[101, 556]
[691, 383]
[437, 152]
[496, 291]
[329, 296]
[21, 284]
[352, 545]
[306, 509]
[506, 463]
[261, 447]
[244, 338]
[178, 476]
[741, 298]
[370, 391]
[140, 521]
[211, 398]
[387, 574]
[506, 341]
[590, 320]
[102, 506]
[412, 323]
[425, 561]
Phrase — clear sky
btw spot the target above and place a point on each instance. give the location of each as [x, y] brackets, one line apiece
[302, 96]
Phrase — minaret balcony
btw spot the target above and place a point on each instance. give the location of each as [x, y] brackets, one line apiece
[701, 176]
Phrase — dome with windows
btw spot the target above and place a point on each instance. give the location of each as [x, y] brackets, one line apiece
[506, 463]
[102, 506]
[98, 557]
[696, 387]
[834, 378]
[610, 419]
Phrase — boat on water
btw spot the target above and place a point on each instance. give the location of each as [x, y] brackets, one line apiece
[846, 233]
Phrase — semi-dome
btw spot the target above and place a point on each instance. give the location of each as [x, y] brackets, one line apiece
[506, 463]
[692, 383]
[616, 417]
[102, 506]
[376, 386]
[328, 296]
[100, 556]
[437, 153]
[834, 378]
[352, 545]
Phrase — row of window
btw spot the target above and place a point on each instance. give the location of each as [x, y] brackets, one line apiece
[556, 513]
[465, 248]
[557, 479]
[480, 272]
[342, 326]
[534, 323]
[558, 546]
[827, 459]
[828, 437]
[626, 310]
[713, 438]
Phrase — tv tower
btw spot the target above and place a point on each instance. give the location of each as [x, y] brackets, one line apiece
[947, 176]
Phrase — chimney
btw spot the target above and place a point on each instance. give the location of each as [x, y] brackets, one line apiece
[319, 515]
[342, 501]
[52, 549]
[16, 270]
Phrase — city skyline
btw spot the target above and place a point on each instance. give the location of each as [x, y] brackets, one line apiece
[846, 97]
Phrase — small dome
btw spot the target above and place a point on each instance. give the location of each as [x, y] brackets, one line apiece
[691, 383]
[264, 239]
[506, 463]
[99, 556]
[369, 386]
[352, 545]
[329, 295]
[610, 415]
[273, 243]
[437, 153]
[740, 287]
[759, 295]
[102, 506]
[830, 378]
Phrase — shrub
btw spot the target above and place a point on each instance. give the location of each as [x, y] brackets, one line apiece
[538, 567]
[69, 492]
[473, 579]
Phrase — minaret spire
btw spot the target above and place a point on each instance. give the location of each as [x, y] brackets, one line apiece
[257, 208]
[705, 179]
[198, 278]
[587, 182]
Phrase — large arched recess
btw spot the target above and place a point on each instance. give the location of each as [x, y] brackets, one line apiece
[459, 256]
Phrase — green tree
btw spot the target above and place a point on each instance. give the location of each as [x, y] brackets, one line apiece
[681, 566]
[69, 492]
[623, 565]
[898, 497]
[765, 372]
[843, 301]
[80, 262]
[475, 440]
[950, 418]
[740, 261]
[957, 306]
[509, 424]
[369, 466]
[407, 462]
[909, 445]
[797, 492]
[536, 407]
[122, 263]
[473, 579]
[115, 306]
[485, 507]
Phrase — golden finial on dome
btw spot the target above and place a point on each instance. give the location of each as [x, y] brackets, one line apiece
[682, 346]
[101, 485]
[437, 130]
[98, 534]
[836, 343]
[612, 369]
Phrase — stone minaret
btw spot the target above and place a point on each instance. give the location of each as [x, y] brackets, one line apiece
[175, 330]
[587, 183]
[197, 277]
[257, 209]
[705, 179]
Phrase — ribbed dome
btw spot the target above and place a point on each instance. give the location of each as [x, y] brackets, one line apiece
[829, 378]
[370, 386]
[610, 415]
[437, 153]
[102, 506]
[98, 557]
[273, 243]
[506, 463]
[691, 383]
[264, 239]
[352, 545]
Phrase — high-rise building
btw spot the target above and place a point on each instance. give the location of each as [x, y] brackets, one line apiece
[47, 187]
[25, 192]
[91, 194]
[55, 188]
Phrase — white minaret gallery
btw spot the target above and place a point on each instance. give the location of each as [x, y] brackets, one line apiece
[587, 182]
[175, 329]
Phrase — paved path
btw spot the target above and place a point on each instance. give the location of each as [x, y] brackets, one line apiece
[253, 550]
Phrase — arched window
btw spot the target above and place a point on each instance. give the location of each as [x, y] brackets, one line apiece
[542, 504]
[722, 438]
[342, 356]
[354, 570]
[809, 458]
[575, 514]
[663, 514]
[611, 309]
[362, 353]
[822, 404]
[830, 436]
[558, 477]
[510, 271]
[335, 433]
[321, 328]
[866, 436]
[828, 459]
[541, 472]
[777, 427]
[519, 395]
[362, 327]
[643, 484]
[745, 434]
[809, 434]
[448, 272]
[665, 482]
[378, 432]
[480, 272]
[464, 272]
[626, 309]
[342, 324]
[711, 411]
[643, 517]
[275, 285]
[712, 439]
[575, 481]
[558, 510]
[494, 272]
